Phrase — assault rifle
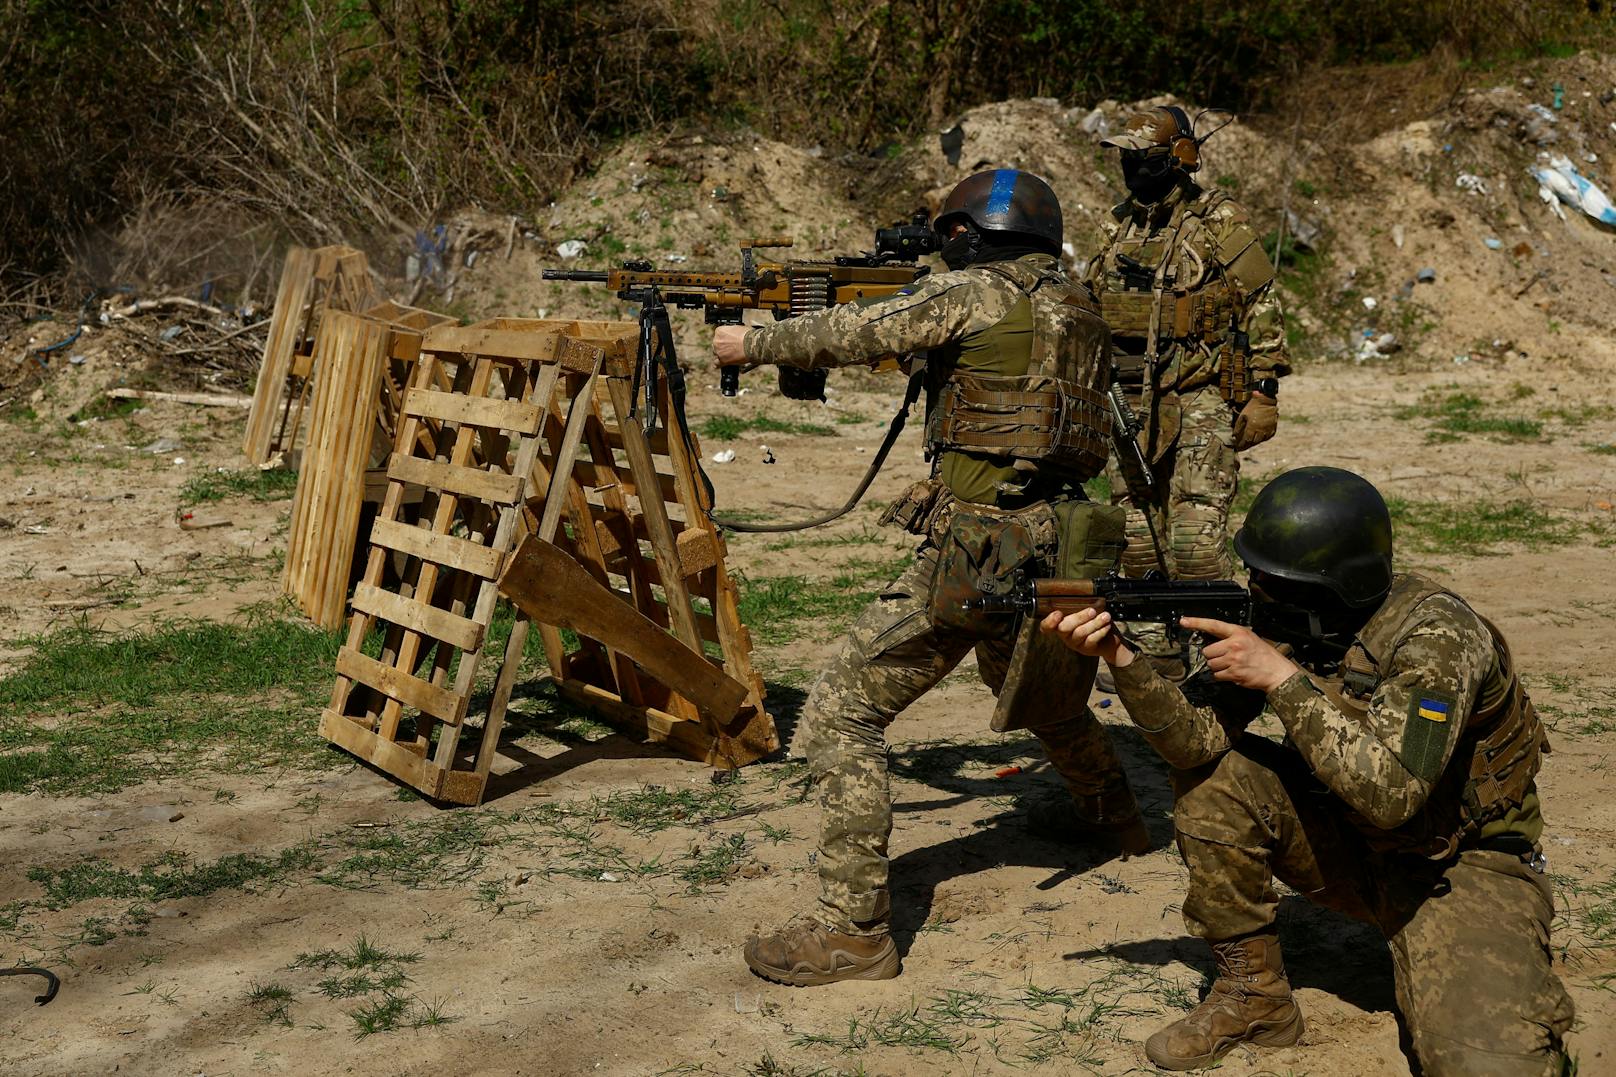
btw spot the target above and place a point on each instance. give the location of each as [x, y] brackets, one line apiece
[783, 288]
[1152, 599]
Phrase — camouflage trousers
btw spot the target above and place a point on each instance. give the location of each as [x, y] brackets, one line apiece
[1195, 484]
[890, 658]
[1469, 937]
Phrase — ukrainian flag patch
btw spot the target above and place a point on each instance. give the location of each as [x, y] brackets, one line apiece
[1433, 710]
[1426, 736]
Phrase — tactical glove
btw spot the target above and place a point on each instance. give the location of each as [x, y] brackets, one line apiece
[1256, 422]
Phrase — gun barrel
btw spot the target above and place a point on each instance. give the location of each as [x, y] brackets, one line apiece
[593, 276]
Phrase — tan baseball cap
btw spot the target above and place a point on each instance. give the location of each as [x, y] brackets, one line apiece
[1152, 127]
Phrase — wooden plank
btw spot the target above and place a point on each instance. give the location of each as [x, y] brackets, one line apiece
[494, 486]
[494, 343]
[442, 704]
[461, 632]
[550, 586]
[401, 761]
[206, 400]
[286, 328]
[514, 415]
[457, 553]
[698, 551]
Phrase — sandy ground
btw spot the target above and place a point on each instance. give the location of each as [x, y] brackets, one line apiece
[561, 929]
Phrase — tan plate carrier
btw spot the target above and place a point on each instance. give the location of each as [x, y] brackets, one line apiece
[540, 485]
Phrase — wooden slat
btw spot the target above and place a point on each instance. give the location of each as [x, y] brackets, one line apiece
[461, 632]
[439, 549]
[498, 343]
[401, 761]
[476, 410]
[551, 587]
[494, 486]
[411, 691]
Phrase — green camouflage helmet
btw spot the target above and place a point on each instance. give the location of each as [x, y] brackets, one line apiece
[1321, 525]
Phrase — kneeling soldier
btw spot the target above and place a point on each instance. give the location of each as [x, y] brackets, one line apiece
[1403, 794]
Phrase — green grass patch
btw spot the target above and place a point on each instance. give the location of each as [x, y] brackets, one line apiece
[1478, 527]
[652, 808]
[1605, 449]
[271, 485]
[172, 875]
[729, 427]
[91, 710]
[776, 608]
[1465, 413]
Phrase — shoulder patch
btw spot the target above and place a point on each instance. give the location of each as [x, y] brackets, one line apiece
[1426, 734]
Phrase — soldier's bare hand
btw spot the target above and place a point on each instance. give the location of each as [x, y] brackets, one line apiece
[1089, 632]
[729, 345]
[1241, 656]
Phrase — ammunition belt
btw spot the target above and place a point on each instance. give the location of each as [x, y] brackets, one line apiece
[1025, 418]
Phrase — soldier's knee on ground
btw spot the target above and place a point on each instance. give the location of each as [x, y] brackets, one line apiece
[1230, 801]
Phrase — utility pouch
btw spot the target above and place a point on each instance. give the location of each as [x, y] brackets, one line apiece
[917, 508]
[1089, 539]
[979, 554]
[1234, 370]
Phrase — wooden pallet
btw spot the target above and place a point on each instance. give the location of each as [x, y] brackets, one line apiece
[636, 530]
[363, 364]
[335, 278]
[557, 515]
[406, 673]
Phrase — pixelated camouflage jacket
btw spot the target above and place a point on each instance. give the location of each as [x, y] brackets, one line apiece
[934, 315]
[1198, 230]
[1398, 764]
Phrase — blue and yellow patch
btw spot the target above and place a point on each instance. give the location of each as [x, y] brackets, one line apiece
[1424, 750]
[1433, 710]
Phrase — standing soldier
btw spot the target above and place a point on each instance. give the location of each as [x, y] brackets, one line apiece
[1199, 348]
[1403, 795]
[1016, 362]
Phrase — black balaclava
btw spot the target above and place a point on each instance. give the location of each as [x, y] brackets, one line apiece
[1150, 175]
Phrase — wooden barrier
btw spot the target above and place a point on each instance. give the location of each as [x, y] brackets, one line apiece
[334, 278]
[538, 483]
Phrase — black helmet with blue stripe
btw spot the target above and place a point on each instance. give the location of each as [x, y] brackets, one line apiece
[1005, 200]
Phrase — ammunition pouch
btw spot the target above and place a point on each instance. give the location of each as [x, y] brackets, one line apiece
[980, 553]
[920, 509]
[1033, 417]
[1234, 374]
[1508, 747]
[1201, 315]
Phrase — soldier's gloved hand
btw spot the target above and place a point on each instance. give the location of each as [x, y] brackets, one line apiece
[729, 345]
[1256, 422]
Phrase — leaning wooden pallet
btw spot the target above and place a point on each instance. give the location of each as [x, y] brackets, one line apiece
[335, 278]
[353, 418]
[585, 525]
[437, 618]
[637, 531]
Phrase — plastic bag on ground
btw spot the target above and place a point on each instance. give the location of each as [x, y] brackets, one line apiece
[1576, 190]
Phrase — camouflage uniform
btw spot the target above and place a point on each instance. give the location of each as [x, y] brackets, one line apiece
[1403, 796]
[970, 322]
[1197, 276]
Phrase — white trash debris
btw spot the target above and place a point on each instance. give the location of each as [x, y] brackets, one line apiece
[1469, 181]
[1576, 190]
[571, 248]
[723, 456]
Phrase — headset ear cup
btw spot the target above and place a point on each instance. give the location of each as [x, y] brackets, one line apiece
[1187, 152]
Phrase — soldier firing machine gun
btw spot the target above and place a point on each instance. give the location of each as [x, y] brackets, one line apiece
[1151, 599]
[786, 288]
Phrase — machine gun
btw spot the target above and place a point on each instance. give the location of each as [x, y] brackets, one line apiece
[1152, 599]
[784, 288]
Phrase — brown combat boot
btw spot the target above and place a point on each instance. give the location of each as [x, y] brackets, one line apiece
[809, 954]
[1112, 817]
[1250, 1002]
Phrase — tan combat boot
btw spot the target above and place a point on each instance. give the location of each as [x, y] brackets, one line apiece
[806, 955]
[1250, 1002]
[1112, 817]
